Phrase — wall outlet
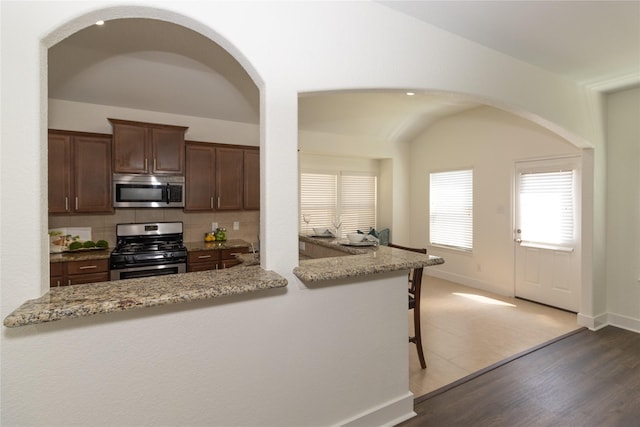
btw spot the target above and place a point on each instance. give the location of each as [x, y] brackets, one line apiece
[236, 225]
[301, 246]
[214, 226]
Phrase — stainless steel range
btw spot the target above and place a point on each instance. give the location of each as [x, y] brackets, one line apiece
[148, 249]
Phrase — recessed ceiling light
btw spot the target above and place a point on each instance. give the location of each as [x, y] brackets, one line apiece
[100, 23]
[410, 93]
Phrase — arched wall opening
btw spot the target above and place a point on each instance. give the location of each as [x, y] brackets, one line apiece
[93, 115]
[390, 127]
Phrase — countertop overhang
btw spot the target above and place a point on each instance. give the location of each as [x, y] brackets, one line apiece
[362, 262]
[120, 295]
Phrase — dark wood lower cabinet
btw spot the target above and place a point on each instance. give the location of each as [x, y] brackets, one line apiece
[214, 259]
[78, 272]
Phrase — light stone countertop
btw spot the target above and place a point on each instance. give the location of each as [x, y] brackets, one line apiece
[378, 259]
[119, 295]
[80, 255]
[212, 246]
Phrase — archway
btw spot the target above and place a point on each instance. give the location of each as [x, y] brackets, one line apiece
[154, 71]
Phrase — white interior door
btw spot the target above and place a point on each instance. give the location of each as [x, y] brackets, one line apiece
[546, 232]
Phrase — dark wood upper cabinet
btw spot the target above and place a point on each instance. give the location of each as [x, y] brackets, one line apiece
[251, 179]
[200, 179]
[59, 173]
[221, 177]
[148, 148]
[229, 178]
[79, 173]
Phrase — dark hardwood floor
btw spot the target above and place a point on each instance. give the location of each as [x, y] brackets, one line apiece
[582, 379]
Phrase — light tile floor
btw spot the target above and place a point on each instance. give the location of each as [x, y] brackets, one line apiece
[465, 330]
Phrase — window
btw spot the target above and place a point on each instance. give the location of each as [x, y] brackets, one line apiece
[547, 207]
[318, 200]
[451, 209]
[351, 195]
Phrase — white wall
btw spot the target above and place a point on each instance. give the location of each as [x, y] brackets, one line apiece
[83, 117]
[297, 357]
[488, 141]
[623, 208]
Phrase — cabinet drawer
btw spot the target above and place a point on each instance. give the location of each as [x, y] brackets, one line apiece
[79, 279]
[203, 256]
[203, 260]
[88, 267]
[228, 254]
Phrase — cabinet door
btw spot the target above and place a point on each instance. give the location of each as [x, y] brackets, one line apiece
[59, 173]
[200, 177]
[130, 149]
[228, 257]
[79, 279]
[229, 178]
[203, 260]
[92, 174]
[251, 179]
[56, 274]
[167, 146]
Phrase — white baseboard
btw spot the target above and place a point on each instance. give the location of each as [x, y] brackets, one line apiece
[593, 322]
[624, 322]
[389, 414]
[466, 281]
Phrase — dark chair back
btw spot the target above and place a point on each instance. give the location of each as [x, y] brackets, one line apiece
[415, 275]
[415, 287]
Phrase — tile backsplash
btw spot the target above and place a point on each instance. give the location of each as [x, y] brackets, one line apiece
[195, 224]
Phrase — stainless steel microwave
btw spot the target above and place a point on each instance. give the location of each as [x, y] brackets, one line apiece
[148, 191]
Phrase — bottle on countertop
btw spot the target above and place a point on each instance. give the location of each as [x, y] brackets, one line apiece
[221, 234]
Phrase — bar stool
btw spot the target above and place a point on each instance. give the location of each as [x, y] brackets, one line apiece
[415, 286]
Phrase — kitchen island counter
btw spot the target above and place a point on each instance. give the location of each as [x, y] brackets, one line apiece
[120, 295]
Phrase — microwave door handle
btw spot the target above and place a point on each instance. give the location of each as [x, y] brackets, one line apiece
[168, 193]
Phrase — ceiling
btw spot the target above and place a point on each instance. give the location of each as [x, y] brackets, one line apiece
[158, 66]
[590, 42]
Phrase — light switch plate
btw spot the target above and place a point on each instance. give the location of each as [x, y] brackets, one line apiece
[214, 226]
[236, 225]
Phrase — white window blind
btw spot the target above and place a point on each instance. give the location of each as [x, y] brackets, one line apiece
[547, 207]
[318, 199]
[451, 209]
[351, 195]
[358, 201]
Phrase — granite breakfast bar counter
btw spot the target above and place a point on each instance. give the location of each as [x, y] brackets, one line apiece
[120, 295]
[357, 261]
